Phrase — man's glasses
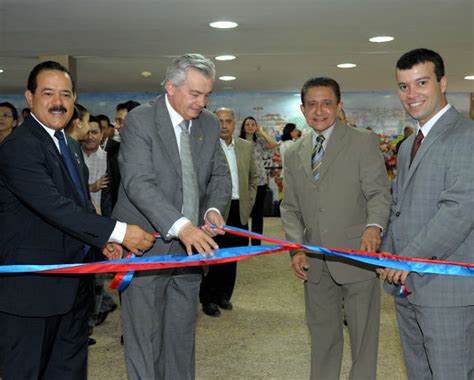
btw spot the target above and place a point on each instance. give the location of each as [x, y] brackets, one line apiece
[6, 115]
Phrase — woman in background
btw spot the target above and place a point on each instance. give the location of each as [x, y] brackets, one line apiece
[289, 136]
[251, 131]
[8, 119]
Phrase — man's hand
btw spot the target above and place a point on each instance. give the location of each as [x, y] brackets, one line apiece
[299, 264]
[371, 239]
[113, 251]
[192, 236]
[100, 184]
[213, 218]
[137, 239]
[393, 276]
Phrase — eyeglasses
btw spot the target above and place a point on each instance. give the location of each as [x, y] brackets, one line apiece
[6, 115]
[328, 103]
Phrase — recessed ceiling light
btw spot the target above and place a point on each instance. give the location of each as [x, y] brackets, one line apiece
[347, 65]
[469, 77]
[381, 39]
[227, 77]
[1, 70]
[146, 74]
[223, 24]
[225, 57]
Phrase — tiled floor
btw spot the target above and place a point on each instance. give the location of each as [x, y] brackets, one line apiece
[264, 337]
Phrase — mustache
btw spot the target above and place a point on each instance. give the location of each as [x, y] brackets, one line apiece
[57, 109]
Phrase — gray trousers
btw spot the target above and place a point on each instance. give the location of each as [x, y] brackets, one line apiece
[437, 342]
[159, 323]
[324, 302]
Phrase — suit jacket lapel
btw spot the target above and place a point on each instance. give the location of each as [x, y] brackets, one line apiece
[439, 129]
[305, 153]
[53, 151]
[335, 146]
[240, 164]
[166, 135]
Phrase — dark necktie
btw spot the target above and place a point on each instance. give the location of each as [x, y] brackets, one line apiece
[416, 145]
[317, 156]
[71, 166]
[190, 185]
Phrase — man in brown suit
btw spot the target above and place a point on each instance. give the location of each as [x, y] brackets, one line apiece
[217, 286]
[336, 194]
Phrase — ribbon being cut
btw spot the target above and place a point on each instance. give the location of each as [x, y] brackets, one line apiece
[127, 266]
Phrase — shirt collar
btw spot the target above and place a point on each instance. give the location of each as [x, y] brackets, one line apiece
[175, 117]
[426, 128]
[230, 146]
[50, 131]
[326, 133]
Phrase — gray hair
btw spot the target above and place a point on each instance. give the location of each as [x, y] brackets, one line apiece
[176, 71]
[225, 109]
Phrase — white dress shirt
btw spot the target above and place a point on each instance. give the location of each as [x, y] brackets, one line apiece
[229, 151]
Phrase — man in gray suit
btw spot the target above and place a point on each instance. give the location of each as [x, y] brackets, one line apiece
[336, 194]
[174, 178]
[432, 218]
[218, 284]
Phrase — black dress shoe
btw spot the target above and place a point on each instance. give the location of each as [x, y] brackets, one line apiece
[101, 317]
[226, 305]
[91, 341]
[211, 309]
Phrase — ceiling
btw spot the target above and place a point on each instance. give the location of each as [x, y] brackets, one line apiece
[278, 44]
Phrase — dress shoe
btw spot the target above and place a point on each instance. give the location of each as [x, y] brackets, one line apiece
[226, 305]
[101, 317]
[211, 309]
[91, 341]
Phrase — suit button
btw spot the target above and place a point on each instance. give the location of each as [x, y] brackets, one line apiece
[434, 258]
[397, 214]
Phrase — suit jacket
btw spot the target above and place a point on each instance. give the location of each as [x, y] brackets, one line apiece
[247, 173]
[353, 191]
[110, 193]
[432, 214]
[151, 190]
[42, 222]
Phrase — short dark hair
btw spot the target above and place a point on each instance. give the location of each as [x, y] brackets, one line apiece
[46, 66]
[26, 109]
[128, 105]
[242, 128]
[94, 119]
[321, 82]
[290, 127]
[416, 56]
[79, 113]
[12, 109]
[102, 117]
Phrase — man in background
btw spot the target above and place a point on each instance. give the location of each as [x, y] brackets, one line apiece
[218, 284]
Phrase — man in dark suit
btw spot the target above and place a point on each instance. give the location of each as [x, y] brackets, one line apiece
[432, 218]
[46, 218]
[336, 193]
[218, 284]
[173, 179]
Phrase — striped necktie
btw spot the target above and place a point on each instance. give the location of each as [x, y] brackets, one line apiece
[317, 156]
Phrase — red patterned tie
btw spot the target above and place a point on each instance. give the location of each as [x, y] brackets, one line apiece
[416, 145]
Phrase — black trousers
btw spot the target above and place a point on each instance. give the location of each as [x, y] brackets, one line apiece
[49, 348]
[257, 213]
[219, 282]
